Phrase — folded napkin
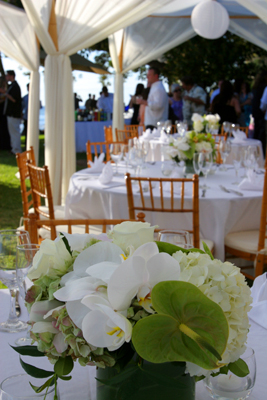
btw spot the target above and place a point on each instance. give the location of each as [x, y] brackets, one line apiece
[97, 165]
[258, 313]
[163, 137]
[252, 182]
[148, 135]
[107, 174]
[239, 136]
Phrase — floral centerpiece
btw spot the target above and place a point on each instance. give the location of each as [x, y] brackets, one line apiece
[149, 315]
[207, 123]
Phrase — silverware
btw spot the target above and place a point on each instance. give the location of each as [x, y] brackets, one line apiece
[224, 189]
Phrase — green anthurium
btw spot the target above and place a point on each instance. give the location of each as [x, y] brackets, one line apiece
[187, 327]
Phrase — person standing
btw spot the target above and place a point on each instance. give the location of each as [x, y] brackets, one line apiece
[194, 99]
[138, 92]
[105, 102]
[25, 102]
[12, 109]
[176, 103]
[88, 103]
[4, 135]
[157, 103]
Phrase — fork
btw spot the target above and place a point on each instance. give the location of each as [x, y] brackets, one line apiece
[231, 191]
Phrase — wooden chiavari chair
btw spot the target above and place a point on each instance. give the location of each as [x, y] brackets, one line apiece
[125, 135]
[250, 245]
[108, 134]
[98, 148]
[241, 128]
[163, 203]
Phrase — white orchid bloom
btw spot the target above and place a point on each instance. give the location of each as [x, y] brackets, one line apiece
[79, 288]
[104, 327]
[139, 274]
[97, 253]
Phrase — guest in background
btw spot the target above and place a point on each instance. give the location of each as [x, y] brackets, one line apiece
[93, 102]
[263, 107]
[258, 115]
[226, 104]
[245, 100]
[176, 103]
[194, 99]
[77, 100]
[141, 114]
[88, 103]
[4, 135]
[138, 92]
[216, 91]
[157, 102]
[105, 102]
[12, 109]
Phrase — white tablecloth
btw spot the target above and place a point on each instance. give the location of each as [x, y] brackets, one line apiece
[220, 212]
[157, 144]
[82, 385]
[91, 130]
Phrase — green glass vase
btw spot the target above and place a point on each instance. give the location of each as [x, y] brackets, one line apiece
[146, 382]
[189, 170]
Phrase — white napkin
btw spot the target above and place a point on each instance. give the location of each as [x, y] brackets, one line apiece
[163, 137]
[148, 135]
[97, 165]
[107, 174]
[252, 182]
[258, 313]
[239, 136]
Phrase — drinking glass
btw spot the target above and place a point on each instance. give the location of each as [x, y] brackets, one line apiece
[168, 127]
[179, 238]
[125, 155]
[251, 158]
[116, 152]
[233, 128]
[182, 128]
[9, 240]
[205, 164]
[196, 166]
[166, 167]
[227, 126]
[237, 162]
[24, 259]
[17, 387]
[225, 150]
[230, 386]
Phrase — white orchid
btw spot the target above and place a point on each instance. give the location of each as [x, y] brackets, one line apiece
[104, 327]
[139, 274]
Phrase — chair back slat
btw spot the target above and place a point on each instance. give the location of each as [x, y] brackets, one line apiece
[108, 134]
[164, 203]
[98, 148]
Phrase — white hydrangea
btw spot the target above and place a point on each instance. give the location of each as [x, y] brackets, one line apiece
[198, 126]
[223, 283]
[204, 147]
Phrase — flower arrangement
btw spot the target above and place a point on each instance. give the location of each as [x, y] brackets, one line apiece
[183, 149]
[206, 123]
[99, 300]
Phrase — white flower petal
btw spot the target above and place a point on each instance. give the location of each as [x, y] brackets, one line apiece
[102, 270]
[125, 282]
[76, 290]
[162, 267]
[40, 308]
[78, 241]
[77, 311]
[51, 311]
[147, 250]
[43, 327]
[99, 252]
[60, 343]
[93, 302]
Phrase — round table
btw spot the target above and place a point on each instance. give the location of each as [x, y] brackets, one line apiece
[219, 212]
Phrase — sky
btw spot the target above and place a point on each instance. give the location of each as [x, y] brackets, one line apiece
[83, 83]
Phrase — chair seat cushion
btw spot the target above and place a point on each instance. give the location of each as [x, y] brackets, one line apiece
[58, 210]
[246, 241]
[95, 230]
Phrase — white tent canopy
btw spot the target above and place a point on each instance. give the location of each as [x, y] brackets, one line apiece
[170, 26]
[16, 38]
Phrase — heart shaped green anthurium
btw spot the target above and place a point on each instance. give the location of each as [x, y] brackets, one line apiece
[188, 326]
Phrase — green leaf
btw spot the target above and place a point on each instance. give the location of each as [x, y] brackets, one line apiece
[172, 248]
[39, 389]
[63, 366]
[66, 243]
[65, 378]
[28, 351]
[207, 250]
[34, 371]
[239, 368]
[188, 327]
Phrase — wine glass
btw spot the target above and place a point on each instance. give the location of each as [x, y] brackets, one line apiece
[230, 386]
[237, 162]
[251, 158]
[227, 126]
[205, 164]
[116, 152]
[179, 238]
[17, 387]
[9, 240]
[225, 150]
[182, 128]
[24, 259]
[196, 166]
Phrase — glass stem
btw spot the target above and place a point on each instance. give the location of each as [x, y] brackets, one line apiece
[12, 309]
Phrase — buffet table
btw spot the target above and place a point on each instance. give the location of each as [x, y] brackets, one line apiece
[91, 130]
[220, 212]
[82, 385]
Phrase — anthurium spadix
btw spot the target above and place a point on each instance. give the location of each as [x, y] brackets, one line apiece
[138, 274]
[104, 327]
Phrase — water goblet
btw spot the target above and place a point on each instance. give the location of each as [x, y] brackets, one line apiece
[17, 387]
[166, 167]
[116, 152]
[9, 240]
[180, 238]
[24, 259]
[224, 149]
[226, 126]
[205, 164]
[237, 163]
[182, 128]
[125, 155]
[196, 166]
[230, 386]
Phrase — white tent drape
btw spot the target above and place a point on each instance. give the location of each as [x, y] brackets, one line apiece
[18, 41]
[79, 24]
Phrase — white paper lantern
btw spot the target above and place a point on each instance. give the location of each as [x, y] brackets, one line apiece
[210, 19]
